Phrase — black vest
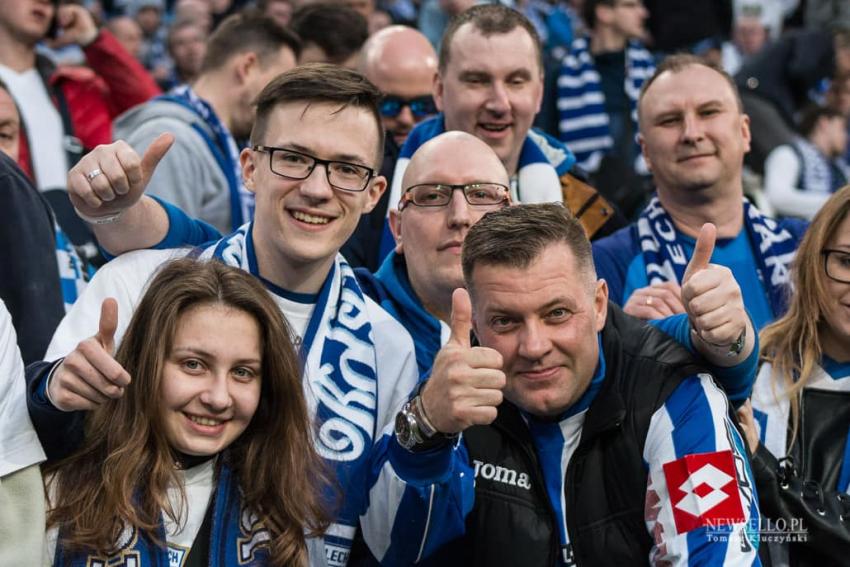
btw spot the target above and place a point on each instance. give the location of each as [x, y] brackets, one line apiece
[512, 522]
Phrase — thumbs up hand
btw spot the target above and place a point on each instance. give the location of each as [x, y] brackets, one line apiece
[466, 382]
[714, 303]
[112, 177]
[90, 375]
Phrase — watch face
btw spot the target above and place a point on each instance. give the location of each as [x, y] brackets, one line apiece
[403, 431]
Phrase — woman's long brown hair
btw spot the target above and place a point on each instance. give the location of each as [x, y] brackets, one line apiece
[120, 475]
[792, 343]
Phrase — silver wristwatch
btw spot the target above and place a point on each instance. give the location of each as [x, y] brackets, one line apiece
[414, 431]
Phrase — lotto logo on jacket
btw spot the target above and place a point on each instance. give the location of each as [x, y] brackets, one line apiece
[703, 491]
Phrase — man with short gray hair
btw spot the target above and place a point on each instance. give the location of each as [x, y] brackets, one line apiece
[589, 436]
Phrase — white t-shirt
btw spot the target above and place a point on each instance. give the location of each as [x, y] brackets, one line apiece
[19, 445]
[44, 127]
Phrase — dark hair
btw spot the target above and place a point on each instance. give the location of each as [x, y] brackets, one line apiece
[588, 11]
[516, 236]
[247, 31]
[319, 83]
[121, 474]
[489, 19]
[338, 30]
[812, 114]
[679, 62]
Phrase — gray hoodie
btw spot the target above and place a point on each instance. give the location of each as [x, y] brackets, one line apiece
[189, 175]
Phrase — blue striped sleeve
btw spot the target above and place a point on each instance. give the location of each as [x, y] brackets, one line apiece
[737, 381]
[420, 499]
[701, 501]
[183, 230]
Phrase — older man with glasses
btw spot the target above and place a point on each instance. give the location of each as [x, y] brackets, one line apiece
[453, 180]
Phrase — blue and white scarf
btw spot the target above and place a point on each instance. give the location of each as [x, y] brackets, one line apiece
[224, 149]
[819, 174]
[340, 367]
[583, 123]
[73, 273]
[237, 537]
[665, 259]
[400, 301]
[542, 161]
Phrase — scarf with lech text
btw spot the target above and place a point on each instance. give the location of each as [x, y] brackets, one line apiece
[237, 537]
[665, 259]
[340, 368]
[223, 147]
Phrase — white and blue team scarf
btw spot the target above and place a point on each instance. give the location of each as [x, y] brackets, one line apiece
[665, 259]
[340, 367]
[583, 123]
[73, 274]
[819, 174]
[237, 537]
[223, 147]
[542, 162]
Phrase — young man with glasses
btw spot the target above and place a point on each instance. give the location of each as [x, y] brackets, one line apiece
[317, 145]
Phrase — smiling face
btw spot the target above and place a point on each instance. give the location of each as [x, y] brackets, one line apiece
[835, 334]
[211, 379]
[300, 225]
[430, 238]
[543, 319]
[692, 133]
[492, 87]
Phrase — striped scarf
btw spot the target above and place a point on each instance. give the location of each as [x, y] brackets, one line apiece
[582, 121]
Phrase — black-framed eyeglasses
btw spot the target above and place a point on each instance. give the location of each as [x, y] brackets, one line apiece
[341, 175]
[440, 194]
[421, 107]
[837, 265]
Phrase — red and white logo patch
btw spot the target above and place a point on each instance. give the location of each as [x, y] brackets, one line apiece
[703, 491]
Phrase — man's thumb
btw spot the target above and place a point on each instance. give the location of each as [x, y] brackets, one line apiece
[461, 324]
[702, 251]
[108, 324]
[154, 154]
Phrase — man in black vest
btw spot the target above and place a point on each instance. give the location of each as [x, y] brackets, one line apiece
[591, 438]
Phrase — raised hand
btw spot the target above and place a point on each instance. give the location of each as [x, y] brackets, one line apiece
[655, 301]
[711, 296]
[466, 382]
[112, 177]
[90, 375]
[76, 25]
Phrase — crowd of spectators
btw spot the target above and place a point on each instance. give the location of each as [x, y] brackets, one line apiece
[518, 247]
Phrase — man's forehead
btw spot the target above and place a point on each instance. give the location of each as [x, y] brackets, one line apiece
[455, 162]
[317, 126]
[472, 50]
[671, 90]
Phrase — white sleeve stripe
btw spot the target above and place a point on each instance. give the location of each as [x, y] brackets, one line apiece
[427, 525]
